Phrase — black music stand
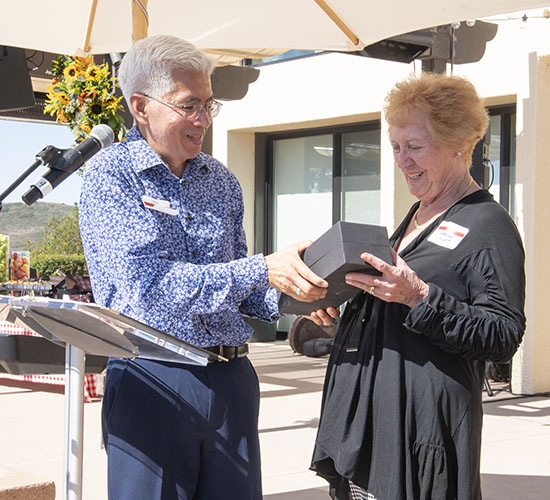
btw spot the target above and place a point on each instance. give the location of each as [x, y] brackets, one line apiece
[92, 329]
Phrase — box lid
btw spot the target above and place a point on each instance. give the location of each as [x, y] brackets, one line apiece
[333, 255]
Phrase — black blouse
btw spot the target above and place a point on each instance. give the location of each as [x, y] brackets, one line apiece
[402, 413]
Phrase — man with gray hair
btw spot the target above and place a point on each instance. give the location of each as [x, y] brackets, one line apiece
[161, 224]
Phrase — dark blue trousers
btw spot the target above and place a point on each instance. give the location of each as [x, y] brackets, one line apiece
[182, 432]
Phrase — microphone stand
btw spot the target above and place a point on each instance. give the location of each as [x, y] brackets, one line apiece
[44, 157]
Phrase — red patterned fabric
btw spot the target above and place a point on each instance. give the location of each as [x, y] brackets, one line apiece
[12, 329]
[90, 380]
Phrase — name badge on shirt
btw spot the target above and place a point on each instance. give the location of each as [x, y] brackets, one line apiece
[448, 235]
[159, 205]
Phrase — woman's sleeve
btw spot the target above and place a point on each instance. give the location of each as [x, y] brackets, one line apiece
[488, 322]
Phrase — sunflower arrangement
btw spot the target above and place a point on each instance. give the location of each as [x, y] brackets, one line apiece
[82, 94]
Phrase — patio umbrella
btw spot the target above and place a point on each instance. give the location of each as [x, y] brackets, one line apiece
[235, 28]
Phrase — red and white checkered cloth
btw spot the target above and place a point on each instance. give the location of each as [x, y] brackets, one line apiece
[91, 381]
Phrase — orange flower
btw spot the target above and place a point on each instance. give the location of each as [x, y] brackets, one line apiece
[85, 61]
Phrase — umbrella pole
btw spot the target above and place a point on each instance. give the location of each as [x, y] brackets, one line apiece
[90, 27]
[338, 21]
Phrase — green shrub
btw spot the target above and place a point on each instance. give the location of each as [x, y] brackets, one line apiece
[48, 264]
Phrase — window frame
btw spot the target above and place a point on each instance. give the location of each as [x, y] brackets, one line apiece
[263, 210]
[507, 163]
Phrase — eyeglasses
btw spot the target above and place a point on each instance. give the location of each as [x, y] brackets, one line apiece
[191, 111]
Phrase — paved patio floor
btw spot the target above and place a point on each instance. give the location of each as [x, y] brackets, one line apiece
[515, 453]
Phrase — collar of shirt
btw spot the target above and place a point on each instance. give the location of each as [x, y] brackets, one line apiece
[148, 158]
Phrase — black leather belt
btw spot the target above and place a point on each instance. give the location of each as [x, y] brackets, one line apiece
[228, 352]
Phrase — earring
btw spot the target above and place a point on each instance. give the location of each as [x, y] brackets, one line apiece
[459, 154]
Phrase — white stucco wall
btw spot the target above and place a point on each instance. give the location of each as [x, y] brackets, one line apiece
[311, 92]
[531, 373]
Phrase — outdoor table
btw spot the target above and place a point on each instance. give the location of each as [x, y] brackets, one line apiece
[92, 381]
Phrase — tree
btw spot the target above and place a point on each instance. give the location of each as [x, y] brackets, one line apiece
[61, 236]
[60, 250]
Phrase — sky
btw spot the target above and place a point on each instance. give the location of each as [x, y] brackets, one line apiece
[20, 141]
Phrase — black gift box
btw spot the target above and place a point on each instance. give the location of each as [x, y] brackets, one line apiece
[333, 255]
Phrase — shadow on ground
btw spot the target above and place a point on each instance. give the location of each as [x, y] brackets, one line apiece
[494, 487]
[519, 406]
[500, 486]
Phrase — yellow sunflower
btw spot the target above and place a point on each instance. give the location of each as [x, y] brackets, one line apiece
[71, 72]
[82, 95]
[96, 108]
[64, 98]
[93, 72]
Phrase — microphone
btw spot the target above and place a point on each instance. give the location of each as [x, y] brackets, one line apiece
[68, 161]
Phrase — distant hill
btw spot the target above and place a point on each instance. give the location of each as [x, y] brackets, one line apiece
[26, 224]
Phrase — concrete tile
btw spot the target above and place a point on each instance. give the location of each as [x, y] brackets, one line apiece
[515, 457]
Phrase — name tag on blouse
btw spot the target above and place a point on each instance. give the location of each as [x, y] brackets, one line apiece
[159, 205]
[448, 235]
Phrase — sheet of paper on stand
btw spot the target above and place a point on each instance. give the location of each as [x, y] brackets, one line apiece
[333, 255]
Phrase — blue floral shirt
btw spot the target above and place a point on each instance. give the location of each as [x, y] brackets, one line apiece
[171, 252]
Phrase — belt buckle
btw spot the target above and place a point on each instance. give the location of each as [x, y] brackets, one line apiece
[227, 353]
[231, 352]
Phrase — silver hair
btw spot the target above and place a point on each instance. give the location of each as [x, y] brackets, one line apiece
[151, 63]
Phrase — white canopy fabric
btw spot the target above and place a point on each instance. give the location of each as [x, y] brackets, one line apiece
[80, 27]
